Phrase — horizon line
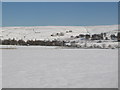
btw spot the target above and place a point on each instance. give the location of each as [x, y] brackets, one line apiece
[57, 25]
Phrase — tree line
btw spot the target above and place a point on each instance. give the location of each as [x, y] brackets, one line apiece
[32, 42]
[101, 36]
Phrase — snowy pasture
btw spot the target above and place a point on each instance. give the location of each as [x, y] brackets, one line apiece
[45, 32]
[105, 36]
[0, 69]
[51, 67]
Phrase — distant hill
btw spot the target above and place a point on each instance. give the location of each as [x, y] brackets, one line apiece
[52, 32]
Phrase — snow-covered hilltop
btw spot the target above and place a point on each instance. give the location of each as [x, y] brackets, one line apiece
[71, 35]
[45, 32]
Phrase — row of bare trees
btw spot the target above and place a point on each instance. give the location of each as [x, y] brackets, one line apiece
[32, 42]
[56, 42]
[101, 36]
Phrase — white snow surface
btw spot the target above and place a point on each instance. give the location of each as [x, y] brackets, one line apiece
[45, 32]
[47, 67]
[51, 67]
[0, 69]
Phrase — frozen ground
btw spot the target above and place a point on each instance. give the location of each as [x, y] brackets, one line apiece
[38, 67]
[0, 69]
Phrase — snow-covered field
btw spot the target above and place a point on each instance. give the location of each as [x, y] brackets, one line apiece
[45, 32]
[0, 69]
[68, 34]
[35, 67]
[48, 66]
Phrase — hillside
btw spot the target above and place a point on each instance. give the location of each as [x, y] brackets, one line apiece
[45, 32]
[71, 36]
